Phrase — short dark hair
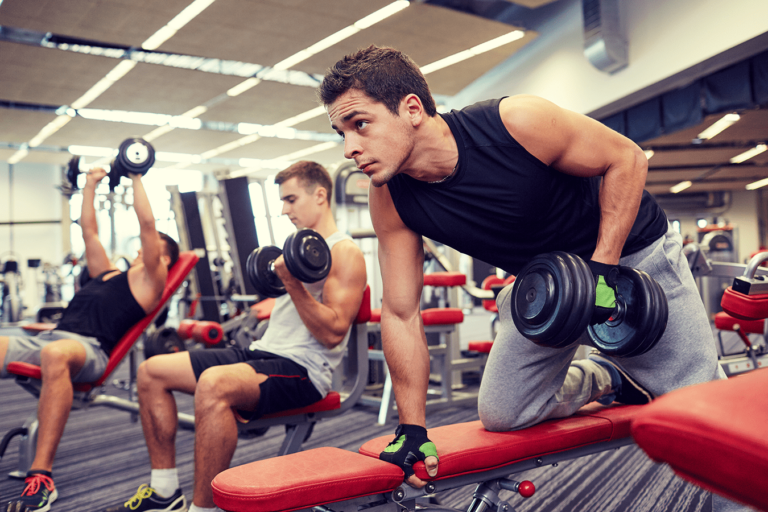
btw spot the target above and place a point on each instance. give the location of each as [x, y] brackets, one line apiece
[385, 74]
[310, 175]
[171, 247]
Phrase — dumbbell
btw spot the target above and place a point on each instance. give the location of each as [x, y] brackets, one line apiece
[306, 255]
[206, 332]
[134, 156]
[553, 299]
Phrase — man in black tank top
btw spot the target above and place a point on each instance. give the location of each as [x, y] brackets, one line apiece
[503, 181]
[78, 349]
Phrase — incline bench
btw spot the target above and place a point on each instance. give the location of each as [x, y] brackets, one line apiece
[86, 393]
[340, 480]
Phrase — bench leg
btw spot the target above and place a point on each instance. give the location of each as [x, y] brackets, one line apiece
[294, 438]
[27, 447]
[386, 399]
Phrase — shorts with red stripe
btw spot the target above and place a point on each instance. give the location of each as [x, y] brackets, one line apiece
[288, 385]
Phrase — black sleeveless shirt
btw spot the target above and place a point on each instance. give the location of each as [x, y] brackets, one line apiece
[504, 206]
[102, 309]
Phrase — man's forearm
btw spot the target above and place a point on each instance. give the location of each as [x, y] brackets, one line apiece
[141, 204]
[405, 349]
[88, 222]
[620, 195]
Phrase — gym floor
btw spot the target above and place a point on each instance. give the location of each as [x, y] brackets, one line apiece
[102, 458]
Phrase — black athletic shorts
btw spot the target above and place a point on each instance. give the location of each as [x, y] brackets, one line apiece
[288, 385]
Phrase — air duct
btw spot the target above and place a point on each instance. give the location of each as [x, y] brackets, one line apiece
[697, 202]
[604, 43]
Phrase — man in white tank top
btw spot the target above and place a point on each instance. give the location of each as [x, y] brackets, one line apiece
[290, 367]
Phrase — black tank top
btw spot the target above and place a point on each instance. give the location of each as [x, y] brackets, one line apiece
[504, 206]
[102, 309]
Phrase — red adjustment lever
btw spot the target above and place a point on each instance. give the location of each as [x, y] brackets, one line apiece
[526, 489]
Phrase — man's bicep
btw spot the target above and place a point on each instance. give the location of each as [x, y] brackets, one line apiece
[346, 282]
[96, 256]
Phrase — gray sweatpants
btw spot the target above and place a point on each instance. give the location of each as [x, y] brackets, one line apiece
[524, 383]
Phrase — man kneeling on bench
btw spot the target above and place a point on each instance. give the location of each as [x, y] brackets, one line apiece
[289, 367]
[78, 349]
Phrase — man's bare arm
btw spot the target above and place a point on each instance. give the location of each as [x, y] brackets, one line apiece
[578, 145]
[151, 244]
[95, 255]
[330, 320]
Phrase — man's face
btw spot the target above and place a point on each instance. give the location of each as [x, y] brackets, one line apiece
[379, 142]
[302, 207]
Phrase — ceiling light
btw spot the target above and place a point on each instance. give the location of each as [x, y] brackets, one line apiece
[243, 86]
[123, 116]
[306, 116]
[383, 13]
[197, 111]
[680, 187]
[472, 52]
[648, 153]
[760, 148]
[157, 132]
[164, 156]
[92, 93]
[120, 70]
[718, 126]
[17, 156]
[308, 151]
[91, 151]
[757, 184]
[49, 130]
[189, 13]
[189, 123]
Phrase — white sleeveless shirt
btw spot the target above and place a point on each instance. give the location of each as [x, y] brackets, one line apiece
[287, 336]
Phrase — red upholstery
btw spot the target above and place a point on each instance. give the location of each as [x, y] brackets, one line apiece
[469, 448]
[487, 283]
[744, 307]
[481, 346]
[431, 316]
[442, 316]
[713, 434]
[364, 313]
[303, 480]
[263, 310]
[176, 276]
[445, 279]
[38, 327]
[726, 322]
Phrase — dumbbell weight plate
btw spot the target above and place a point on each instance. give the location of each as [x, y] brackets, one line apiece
[583, 300]
[633, 318]
[135, 156]
[163, 341]
[307, 255]
[260, 273]
[658, 323]
[542, 297]
[73, 171]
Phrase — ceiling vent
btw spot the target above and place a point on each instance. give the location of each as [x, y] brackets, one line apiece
[604, 43]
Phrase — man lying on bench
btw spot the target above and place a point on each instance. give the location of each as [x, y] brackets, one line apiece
[78, 349]
[289, 367]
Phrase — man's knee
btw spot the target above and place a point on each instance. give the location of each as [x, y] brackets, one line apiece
[57, 357]
[212, 385]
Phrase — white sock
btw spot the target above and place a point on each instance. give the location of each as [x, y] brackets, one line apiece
[164, 481]
[195, 508]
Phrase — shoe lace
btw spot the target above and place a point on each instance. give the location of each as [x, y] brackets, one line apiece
[145, 491]
[33, 484]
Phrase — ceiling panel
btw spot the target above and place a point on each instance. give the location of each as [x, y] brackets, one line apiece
[96, 133]
[52, 77]
[694, 156]
[268, 148]
[125, 22]
[193, 141]
[267, 103]
[19, 126]
[672, 177]
[163, 90]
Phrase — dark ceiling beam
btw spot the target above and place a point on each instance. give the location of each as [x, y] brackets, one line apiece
[706, 145]
[701, 166]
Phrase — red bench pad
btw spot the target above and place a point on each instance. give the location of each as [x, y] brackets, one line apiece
[303, 480]
[713, 434]
[331, 401]
[33, 372]
[725, 322]
[745, 307]
[431, 316]
[38, 327]
[481, 346]
[263, 310]
[445, 279]
[468, 448]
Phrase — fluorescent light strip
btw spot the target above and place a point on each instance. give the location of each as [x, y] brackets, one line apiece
[473, 52]
[308, 151]
[170, 28]
[243, 86]
[760, 148]
[92, 151]
[757, 184]
[648, 153]
[18, 155]
[306, 116]
[718, 126]
[680, 187]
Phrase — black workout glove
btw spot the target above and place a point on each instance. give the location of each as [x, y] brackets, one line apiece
[606, 277]
[411, 444]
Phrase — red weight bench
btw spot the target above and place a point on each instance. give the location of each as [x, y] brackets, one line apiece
[469, 454]
[743, 314]
[350, 380]
[87, 394]
[713, 435]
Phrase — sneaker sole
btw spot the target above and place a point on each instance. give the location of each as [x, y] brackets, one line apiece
[51, 498]
[170, 508]
[624, 374]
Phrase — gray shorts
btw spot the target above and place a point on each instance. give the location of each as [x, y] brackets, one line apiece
[26, 349]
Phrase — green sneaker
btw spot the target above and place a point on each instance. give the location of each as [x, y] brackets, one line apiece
[146, 499]
[37, 496]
